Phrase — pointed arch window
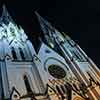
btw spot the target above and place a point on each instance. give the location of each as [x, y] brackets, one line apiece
[69, 91]
[60, 93]
[58, 90]
[14, 53]
[62, 88]
[27, 84]
[21, 53]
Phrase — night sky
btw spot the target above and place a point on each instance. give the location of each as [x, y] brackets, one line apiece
[80, 18]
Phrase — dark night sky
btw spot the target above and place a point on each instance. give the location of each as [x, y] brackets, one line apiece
[79, 17]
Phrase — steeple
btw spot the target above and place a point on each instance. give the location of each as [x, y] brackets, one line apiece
[48, 30]
[5, 17]
[51, 36]
[79, 63]
[43, 21]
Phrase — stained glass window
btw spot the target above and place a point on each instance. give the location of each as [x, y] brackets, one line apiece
[56, 71]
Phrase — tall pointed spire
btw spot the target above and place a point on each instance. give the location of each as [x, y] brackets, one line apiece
[43, 21]
[5, 18]
[48, 30]
[50, 34]
[4, 12]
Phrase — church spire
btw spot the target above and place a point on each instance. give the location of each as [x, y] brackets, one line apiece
[48, 29]
[51, 35]
[5, 18]
[4, 12]
[43, 22]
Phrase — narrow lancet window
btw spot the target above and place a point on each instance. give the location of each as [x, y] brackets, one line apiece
[58, 90]
[27, 84]
[14, 53]
[62, 87]
[21, 53]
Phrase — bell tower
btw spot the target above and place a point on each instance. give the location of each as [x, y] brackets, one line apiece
[58, 69]
[19, 75]
[83, 75]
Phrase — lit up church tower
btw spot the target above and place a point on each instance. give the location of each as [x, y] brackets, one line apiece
[60, 70]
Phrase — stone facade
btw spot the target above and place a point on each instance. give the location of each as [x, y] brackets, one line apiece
[59, 71]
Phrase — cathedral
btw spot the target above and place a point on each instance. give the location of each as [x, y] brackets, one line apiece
[56, 69]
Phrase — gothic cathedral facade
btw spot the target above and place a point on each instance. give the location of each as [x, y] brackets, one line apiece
[60, 70]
